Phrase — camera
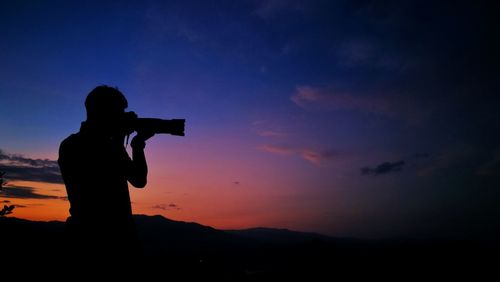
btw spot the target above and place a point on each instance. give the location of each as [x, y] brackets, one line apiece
[154, 125]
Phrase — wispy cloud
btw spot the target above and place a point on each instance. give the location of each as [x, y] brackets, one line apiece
[411, 161]
[310, 155]
[23, 161]
[315, 156]
[383, 168]
[330, 98]
[18, 167]
[274, 149]
[23, 192]
[166, 207]
[268, 128]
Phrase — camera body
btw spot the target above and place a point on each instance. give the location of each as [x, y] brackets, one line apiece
[154, 125]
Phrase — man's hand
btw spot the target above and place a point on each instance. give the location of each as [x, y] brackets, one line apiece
[139, 141]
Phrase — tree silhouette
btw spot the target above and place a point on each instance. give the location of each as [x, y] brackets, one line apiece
[6, 210]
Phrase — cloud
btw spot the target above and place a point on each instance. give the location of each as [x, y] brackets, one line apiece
[5, 201]
[21, 160]
[43, 174]
[310, 155]
[415, 161]
[166, 207]
[383, 168]
[18, 167]
[316, 157]
[267, 128]
[279, 150]
[23, 192]
[330, 98]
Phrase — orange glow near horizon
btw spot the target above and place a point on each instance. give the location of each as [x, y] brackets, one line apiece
[240, 189]
[219, 208]
[43, 208]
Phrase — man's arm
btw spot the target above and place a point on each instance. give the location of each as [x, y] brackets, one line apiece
[138, 173]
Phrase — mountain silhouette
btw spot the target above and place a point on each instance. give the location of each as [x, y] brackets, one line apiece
[184, 247]
[278, 236]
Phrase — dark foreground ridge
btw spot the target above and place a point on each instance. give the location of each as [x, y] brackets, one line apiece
[251, 253]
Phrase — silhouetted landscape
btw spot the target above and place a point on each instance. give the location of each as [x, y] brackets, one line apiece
[177, 247]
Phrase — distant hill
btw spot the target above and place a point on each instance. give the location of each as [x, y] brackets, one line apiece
[280, 236]
[252, 252]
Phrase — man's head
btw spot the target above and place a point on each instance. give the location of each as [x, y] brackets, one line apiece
[104, 104]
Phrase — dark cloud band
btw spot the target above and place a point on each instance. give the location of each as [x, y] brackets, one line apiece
[383, 168]
[22, 192]
[17, 167]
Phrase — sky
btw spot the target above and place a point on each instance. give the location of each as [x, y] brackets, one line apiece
[369, 119]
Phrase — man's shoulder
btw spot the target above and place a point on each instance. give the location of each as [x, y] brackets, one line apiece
[71, 141]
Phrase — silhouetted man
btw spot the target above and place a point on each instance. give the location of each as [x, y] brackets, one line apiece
[96, 167]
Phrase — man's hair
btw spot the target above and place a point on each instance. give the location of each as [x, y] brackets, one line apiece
[103, 100]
